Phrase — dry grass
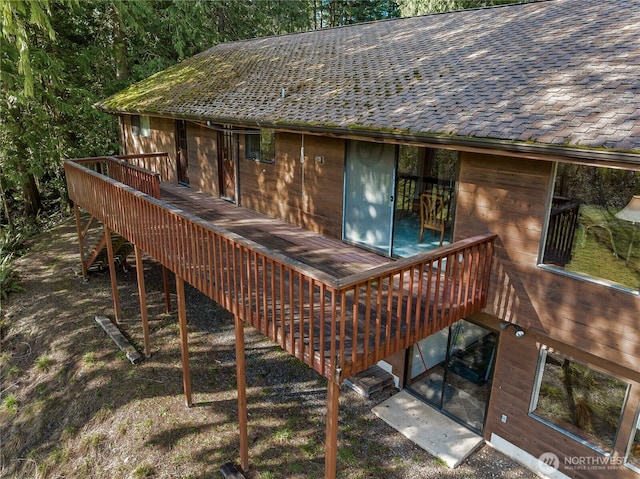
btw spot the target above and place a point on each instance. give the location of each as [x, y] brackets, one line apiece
[72, 405]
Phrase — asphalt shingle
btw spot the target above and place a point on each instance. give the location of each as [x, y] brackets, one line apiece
[562, 72]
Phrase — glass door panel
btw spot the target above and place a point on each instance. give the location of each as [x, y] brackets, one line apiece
[368, 201]
[451, 370]
[423, 171]
[469, 367]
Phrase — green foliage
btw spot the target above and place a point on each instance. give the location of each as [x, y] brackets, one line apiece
[347, 456]
[333, 13]
[10, 404]
[412, 8]
[44, 363]
[61, 57]
[143, 471]
[11, 243]
[601, 247]
[9, 281]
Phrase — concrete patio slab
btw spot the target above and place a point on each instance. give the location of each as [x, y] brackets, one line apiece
[429, 429]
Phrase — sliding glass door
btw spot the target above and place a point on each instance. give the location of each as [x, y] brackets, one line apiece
[369, 195]
[452, 370]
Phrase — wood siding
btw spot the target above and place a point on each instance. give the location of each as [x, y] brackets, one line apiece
[508, 197]
[513, 384]
[590, 323]
[305, 194]
[163, 139]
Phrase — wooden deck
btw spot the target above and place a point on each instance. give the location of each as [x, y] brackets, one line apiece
[338, 308]
[329, 255]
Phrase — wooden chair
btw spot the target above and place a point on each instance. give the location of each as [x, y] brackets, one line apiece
[432, 214]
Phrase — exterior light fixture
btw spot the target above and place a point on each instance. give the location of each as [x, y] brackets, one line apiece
[630, 213]
[519, 331]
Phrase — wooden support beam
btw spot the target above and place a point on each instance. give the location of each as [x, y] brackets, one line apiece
[143, 301]
[76, 212]
[167, 294]
[112, 275]
[242, 394]
[331, 441]
[184, 342]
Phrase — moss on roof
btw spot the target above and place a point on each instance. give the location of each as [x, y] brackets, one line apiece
[562, 72]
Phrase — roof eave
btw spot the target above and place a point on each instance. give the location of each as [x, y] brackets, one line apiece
[531, 150]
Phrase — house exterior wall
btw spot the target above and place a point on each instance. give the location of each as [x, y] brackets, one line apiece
[307, 194]
[162, 139]
[585, 321]
[508, 197]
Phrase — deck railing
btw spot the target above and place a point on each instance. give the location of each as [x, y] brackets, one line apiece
[119, 169]
[338, 326]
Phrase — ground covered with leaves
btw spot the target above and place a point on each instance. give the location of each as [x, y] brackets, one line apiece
[73, 406]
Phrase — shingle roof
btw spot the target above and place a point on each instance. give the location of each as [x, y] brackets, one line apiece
[560, 72]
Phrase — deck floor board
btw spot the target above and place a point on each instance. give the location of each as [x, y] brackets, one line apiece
[329, 255]
[289, 309]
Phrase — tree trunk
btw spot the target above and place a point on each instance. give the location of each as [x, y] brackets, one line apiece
[567, 379]
[119, 47]
[32, 200]
[30, 192]
[5, 206]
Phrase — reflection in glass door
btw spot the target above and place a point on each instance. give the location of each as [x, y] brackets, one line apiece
[421, 171]
[368, 197]
[182, 152]
[452, 370]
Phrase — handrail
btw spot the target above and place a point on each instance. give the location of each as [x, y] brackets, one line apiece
[120, 170]
[337, 325]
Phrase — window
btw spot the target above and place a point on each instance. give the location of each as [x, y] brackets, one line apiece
[586, 233]
[141, 126]
[260, 145]
[578, 401]
[633, 454]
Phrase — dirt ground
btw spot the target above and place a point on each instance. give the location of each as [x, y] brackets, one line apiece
[73, 406]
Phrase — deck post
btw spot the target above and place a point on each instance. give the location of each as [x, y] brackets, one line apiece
[143, 301]
[112, 274]
[167, 295]
[242, 394]
[76, 212]
[184, 341]
[331, 441]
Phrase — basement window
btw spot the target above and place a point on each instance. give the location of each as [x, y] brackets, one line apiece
[260, 145]
[141, 126]
[588, 232]
[578, 401]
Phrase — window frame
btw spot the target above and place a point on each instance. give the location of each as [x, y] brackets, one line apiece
[262, 152]
[545, 232]
[544, 350]
[141, 126]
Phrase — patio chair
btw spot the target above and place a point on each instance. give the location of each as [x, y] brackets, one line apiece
[432, 214]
